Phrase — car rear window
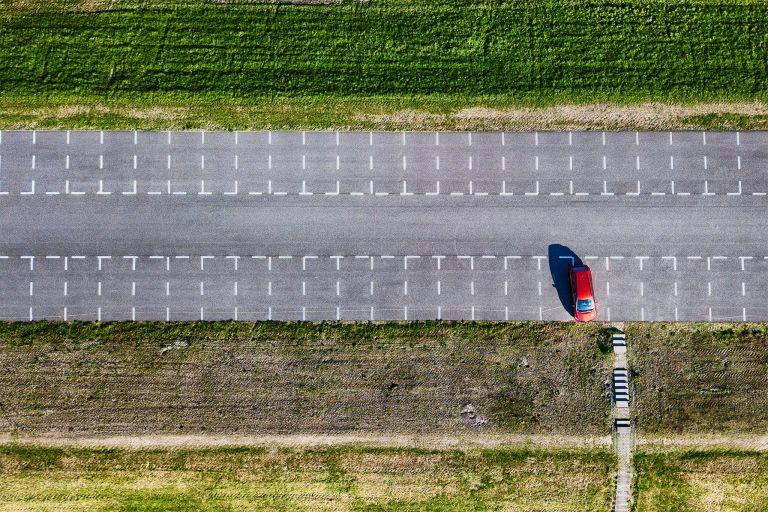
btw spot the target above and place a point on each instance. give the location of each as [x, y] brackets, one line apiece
[584, 305]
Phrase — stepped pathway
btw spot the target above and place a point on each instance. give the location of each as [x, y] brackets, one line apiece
[622, 424]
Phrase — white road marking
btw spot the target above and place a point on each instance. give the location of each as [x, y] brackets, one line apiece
[742, 258]
[504, 189]
[65, 288]
[101, 258]
[30, 192]
[570, 163]
[439, 259]
[304, 261]
[744, 314]
[32, 289]
[437, 191]
[405, 287]
[736, 193]
[705, 163]
[605, 189]
[675, 288]
[710, 314]
[539, 288]
[133, 288]
[538, 260]
[202, 261]
[234, 192]
[31, 261]
[534, 193]
[607, 289]
[706, 189]
[570, 138]
[738, 140]
[439, 287]
[675, 313]
[670, 138]
[704, 138]
[709, 288]
[471, 260]
[738, 162]
[605, 164]
[603, 138]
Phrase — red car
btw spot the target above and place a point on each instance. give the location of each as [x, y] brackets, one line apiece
[584, 304]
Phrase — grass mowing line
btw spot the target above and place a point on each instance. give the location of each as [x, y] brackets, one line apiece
[342, 478]
[188, 59]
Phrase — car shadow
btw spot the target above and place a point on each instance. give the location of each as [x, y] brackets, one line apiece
[560, 260]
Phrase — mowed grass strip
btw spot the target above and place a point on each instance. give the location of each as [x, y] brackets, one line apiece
[394, 54]
[302, 378]
[693, 481]
[699, 378]
[338, 479]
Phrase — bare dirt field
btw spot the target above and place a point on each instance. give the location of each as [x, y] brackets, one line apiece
[462, 380]
[700, 378]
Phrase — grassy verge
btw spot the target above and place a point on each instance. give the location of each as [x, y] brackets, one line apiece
[459, 64]
[693, 481]
[271, 378]
[700, 378]
[339, 479]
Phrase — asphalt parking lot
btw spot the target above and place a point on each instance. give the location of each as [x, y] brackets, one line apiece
[360, 226]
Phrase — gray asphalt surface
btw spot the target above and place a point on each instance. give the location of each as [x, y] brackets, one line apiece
[292, 226]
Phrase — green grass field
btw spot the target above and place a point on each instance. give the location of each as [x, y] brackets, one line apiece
[698, 481]
[320, 479]
[371, 65]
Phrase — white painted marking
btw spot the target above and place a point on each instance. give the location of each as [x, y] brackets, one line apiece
[65, 288]
[167, 288]
[304, 261]
[608, 313]
[338, 288]
[607, 289]
[202, 261]
[738, 162]
[269, 314]
[370, 290]
[439, 259]
[603, 138]
[637, 138]
[706, 189]
[738, 139]
[30, 192]
[503, 163]
[31, 261]
[570, 187]
[673, 187]
[52, 193]
[541, 313]
[269, 288]
[710, 314]
[736, 193]
[506, 288]
[269, 161]
[237, 137]
[33, 161]
[32, 289]
[675, 288]
[337, 192]
[338, 162]
[234, 192]
[536, 162]
[705, 163]
[642, 314]
[202, 289]
[337, 137]
[471, 261]
[744, 314]
[704, 138]
[101, 161]
[642, 289]
[31, 316]
[304, 288]
[405, 287]
[338, 261]
[133, 288]
[370, 138]
[675, 313]
[539, 288]
[538, 260]
[605, 163]
[169, 137]
[605, 189]
[405, 189]
[101, 258]
[570, 162]
[504, 189]
[709, 288]
[670, 138]
[637, 162]
[168, 161]
[403, 134]
[67, 136]
[536, 192]
[742, 258]
[570, 138]
[303, 138]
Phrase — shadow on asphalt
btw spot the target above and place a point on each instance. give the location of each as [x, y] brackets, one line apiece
[560, 260]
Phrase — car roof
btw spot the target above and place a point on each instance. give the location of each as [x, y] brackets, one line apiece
[583, 287]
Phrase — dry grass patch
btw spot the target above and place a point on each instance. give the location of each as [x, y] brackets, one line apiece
[330, 479]
[698, 481]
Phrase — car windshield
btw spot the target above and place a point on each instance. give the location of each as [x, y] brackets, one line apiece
[584, 305]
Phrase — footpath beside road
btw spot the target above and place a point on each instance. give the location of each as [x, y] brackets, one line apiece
[621, 420]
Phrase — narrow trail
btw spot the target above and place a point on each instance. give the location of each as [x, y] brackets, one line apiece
[621, 419]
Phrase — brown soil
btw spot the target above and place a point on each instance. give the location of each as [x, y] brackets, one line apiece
[263, 387]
